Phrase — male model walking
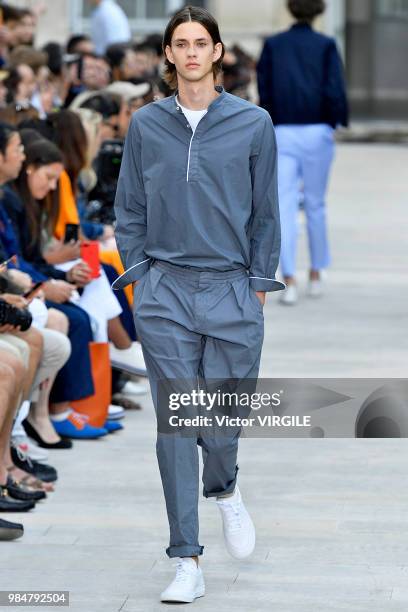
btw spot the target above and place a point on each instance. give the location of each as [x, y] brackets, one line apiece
[198, 231]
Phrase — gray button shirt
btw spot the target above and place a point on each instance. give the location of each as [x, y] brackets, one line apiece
[208, 199]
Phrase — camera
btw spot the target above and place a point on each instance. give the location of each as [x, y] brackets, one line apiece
[109, 160]
[17, 317]
[102, 197]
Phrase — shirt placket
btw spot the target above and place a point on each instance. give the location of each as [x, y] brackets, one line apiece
[193, 146]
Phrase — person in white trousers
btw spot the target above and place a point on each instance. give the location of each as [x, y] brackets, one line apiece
[301, 85]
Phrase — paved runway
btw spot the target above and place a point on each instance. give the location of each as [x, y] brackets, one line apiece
[331, 514]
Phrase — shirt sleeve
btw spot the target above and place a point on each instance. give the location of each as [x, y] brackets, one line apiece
[130, 210]
[98, 31]
[335, 96]
[265, 234]
[264, 77]
[28, 268]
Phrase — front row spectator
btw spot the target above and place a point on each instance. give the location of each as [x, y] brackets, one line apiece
[74, 380]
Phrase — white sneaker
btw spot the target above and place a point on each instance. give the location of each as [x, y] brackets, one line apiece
[315, 288]
[115, 412]
[188, 583]
[130, 360]
[134, 388]
[30, 448]
[239, 530]
[289, 296]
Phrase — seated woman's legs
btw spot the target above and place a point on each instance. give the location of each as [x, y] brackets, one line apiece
[39, 410]
[59, 322]
[34, 340]
[12, 373]
[57, 349]
[118, 334]
[74, 379]
[25, 350]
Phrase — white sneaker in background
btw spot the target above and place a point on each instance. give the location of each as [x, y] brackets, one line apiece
[239, 530]
[29, 447]
[115, 412]
[315, 288]
[188, 583]
[130, 360]
[289, 296]
[134, 388]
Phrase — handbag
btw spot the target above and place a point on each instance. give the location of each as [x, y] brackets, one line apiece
[96, 406]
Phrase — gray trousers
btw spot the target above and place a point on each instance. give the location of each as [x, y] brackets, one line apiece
[196, 324]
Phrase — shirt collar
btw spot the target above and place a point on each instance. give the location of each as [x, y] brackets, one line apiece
[218, 100]
[191, 110]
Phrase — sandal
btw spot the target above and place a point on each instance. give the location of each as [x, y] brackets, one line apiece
[28, 480]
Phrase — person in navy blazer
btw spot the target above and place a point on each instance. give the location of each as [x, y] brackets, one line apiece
[301, 85]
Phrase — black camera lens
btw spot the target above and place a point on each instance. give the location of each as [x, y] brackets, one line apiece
[17, 317]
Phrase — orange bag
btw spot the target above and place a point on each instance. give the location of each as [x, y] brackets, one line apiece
[96, 406]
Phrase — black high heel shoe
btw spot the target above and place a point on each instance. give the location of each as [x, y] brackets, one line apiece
[33, 433]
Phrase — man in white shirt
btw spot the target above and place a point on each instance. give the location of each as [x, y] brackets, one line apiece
[109, 25]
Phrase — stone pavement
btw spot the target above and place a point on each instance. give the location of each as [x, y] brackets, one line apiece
[331, 514]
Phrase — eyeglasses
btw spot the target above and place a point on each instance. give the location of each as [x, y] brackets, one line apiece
[22, 106]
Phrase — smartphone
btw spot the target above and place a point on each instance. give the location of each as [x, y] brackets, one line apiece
[90, 254]
[71, 232]
[12, 259]
[31, 293]
[1, 17]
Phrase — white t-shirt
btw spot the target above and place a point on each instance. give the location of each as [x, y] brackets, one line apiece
[193, 116]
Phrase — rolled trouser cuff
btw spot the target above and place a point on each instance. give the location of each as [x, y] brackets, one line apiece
[229, 489]
[185, 550]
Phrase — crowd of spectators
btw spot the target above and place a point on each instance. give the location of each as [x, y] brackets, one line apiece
[64, 114]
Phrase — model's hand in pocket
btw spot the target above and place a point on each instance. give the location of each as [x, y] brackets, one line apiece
[261, 297]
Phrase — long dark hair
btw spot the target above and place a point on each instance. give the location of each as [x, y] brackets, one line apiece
[71, 139]
[65, 130]
[185, 15]
[6, 132]
[11, 83]
[38, 153]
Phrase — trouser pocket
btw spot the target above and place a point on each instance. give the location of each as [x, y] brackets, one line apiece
[255, 299]
[138, 290]
[247, 300]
